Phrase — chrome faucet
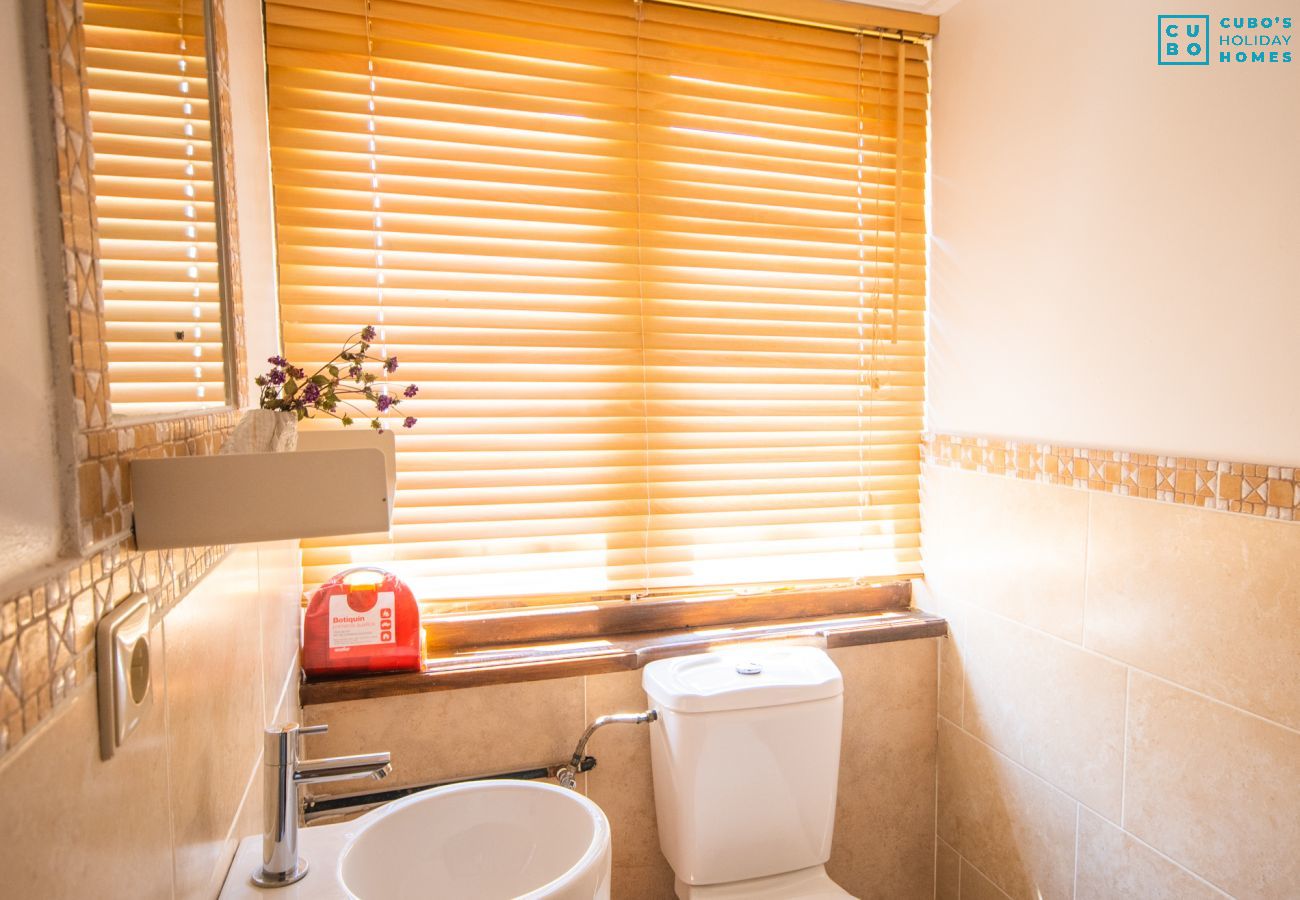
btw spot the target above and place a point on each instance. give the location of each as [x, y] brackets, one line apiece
[283, 773]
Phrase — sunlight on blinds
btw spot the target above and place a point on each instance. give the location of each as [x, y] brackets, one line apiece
[154, 198]
[659, 273]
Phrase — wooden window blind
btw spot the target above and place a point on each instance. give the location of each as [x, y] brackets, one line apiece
[659, 273]
[154, 198]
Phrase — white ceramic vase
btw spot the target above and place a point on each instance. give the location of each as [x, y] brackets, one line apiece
[263, 431]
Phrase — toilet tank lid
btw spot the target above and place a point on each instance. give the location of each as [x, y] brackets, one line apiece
[742, 677]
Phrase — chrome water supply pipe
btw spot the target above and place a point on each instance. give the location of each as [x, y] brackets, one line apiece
[568, 775]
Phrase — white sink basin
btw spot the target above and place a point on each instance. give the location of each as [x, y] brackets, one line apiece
[481, 840]
[485, 840]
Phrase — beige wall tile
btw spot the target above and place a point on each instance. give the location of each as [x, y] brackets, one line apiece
[1010, 824]
[974, 886]
[74, 826]
[621, 783]
[1012, 547]
[1203, 598]
[1051, 706]
[214, 712]
[288, 709]
[279, 579]
[455, 734]
[247, 821]
[884, 822]
[1113, 864]
[952, 676]
[947, 875]
[641, 883]
[1214, 788]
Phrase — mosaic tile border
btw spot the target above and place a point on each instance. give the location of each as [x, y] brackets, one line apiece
[1251, 488]
[102, 497]
[47, 629]
[47, 632]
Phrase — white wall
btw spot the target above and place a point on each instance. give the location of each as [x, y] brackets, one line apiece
[30, 512]
[1116, 244]
[253, 184]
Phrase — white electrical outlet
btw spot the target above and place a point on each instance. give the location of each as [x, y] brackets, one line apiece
[125, 669]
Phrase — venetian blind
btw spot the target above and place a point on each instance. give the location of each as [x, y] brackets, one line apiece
[659, 273]
[146, 73]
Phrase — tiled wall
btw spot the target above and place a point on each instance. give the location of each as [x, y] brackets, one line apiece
[162, 817]
[884, 828]
[1119, 697]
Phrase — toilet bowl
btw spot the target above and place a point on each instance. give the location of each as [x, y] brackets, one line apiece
[745, 755]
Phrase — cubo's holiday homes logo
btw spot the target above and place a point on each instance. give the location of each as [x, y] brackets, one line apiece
[1186, 40]
[1182, 40]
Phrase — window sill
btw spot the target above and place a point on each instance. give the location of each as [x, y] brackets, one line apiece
[620, 653]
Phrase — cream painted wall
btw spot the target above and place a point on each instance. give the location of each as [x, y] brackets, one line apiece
[253, 184]
[30, 512]
[1116, 245]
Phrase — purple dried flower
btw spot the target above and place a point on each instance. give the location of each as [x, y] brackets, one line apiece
[383, 401]
[411, 391]
[409, 422]
[355, 372]
[277, 360]
[390, 364]
[311, 393]
[368, 333]
[296, 372]
[275, 376]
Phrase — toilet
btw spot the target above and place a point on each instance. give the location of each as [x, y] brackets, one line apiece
[745, 755]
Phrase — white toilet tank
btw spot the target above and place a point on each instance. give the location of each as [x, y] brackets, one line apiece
[746, 757]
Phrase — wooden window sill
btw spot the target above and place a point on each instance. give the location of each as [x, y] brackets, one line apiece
[622, 652]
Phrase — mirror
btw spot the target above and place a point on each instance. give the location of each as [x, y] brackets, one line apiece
[155, 138]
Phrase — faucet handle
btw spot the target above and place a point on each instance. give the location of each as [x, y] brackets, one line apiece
[281, 747]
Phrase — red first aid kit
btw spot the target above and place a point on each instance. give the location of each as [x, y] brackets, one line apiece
[362, 620]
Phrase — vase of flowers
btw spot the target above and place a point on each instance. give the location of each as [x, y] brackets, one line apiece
[263, 431]
[344, 388]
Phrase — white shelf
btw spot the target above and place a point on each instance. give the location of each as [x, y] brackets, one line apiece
[336, 483]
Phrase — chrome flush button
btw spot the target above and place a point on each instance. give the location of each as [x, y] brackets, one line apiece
[748, 668]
